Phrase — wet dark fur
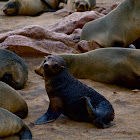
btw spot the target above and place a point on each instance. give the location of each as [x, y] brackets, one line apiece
[72, 98]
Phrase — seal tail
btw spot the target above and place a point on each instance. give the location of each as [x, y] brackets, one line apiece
[25, 133]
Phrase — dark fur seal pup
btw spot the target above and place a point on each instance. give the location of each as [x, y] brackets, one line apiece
[12, 101]
[30, 7]
[13, 70]
[119, 28]
[72, 98]
[11, 124]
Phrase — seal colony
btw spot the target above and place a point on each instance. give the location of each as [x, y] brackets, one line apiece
[107, 65]
[72, 98]
[12, 101]
[11, 124]
[30, 7]
[13, 70]
[119, 28]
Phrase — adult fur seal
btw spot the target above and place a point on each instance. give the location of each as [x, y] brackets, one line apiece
[72, 98]
[119, 66]
[30, 7]
[12, 101]
[13, 70]
[81, 5]
[119, 28]
[11, 124]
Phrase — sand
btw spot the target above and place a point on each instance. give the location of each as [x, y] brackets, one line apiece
[126, 102]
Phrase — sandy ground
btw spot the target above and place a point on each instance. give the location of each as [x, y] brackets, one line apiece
[126, 103]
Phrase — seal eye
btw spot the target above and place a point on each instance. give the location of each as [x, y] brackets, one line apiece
[49, 57]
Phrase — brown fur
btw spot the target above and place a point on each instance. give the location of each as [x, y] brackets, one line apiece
[29, 7]
[118, 28]
[11, 124]
[12, 101]
[13, 70]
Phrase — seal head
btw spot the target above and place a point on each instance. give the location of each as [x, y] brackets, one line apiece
[82, 6]
[53, 66]
[11, 8]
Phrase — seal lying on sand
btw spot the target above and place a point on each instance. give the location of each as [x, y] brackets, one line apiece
[11, 124]
[12, 101]
[13, 70]
[81, 5]
[119, 28]
[30, 7]
[72, 98]
[119, 66]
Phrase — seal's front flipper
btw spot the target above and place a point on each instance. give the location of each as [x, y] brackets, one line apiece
[49, 116]
[25, 133]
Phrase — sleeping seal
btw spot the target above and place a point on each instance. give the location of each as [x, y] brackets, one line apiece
[119, 66]
[119, 28]
[12, 101]
[30, 7]
[13, 70]
[11, 124]
[72, 98]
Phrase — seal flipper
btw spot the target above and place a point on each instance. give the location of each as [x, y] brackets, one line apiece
[41, 12]
[49, 116]
[91, 110]
[25, 133]
[94, 116]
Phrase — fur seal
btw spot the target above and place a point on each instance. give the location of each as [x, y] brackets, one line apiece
[81, 5]
[119, 66]
[119, 28]
[12, 101]
[84, 5]
[13, 70]
[11, 124]
[30, 7]
[72, 98]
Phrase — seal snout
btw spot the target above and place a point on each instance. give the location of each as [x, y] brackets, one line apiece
[50, 64]
[46, 65]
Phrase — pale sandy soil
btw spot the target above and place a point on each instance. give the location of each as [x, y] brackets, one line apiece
[126, 103]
